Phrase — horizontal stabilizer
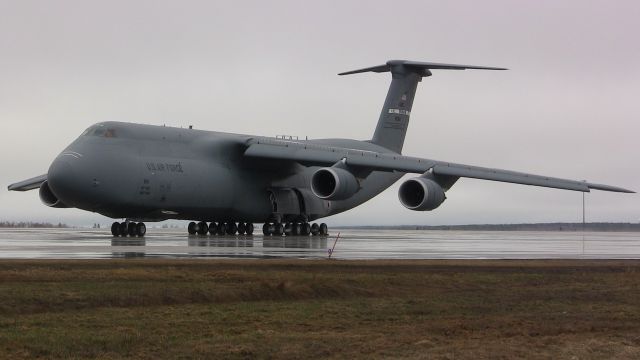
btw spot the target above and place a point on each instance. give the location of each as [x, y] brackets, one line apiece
[29, 184]
[418, 65]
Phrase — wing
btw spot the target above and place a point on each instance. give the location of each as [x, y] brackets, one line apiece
[322, 155]
[28, 184]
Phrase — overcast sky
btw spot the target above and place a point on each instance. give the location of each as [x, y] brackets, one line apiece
[568, 107]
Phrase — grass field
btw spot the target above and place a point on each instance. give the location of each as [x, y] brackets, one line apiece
[317, 308]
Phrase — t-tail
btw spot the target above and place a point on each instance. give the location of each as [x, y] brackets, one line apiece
[394, 117]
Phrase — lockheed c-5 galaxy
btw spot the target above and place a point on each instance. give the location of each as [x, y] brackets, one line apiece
[226, 182]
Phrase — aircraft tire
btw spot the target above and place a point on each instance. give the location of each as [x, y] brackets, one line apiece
[241, 228]
[249, 228]
[122, 229]
[324, 230]
[305, 229]
[213, 228]
[265, 229]
[192, 228]
[115, 229]
[232, 228]
[222, 229]
[278, 229]
[202, 228]
[296, 229]
[131, 229]
[141, 229]
[315, 229]
[287, 229]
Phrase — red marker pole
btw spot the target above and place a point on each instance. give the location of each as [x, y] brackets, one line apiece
[334, 246]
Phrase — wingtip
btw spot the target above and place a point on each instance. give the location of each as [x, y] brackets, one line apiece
[610, 188]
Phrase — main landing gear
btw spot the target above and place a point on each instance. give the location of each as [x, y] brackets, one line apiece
[128, 229]
[221, 228]
[295, 229]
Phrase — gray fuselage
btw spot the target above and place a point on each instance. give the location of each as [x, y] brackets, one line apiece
[154, 173]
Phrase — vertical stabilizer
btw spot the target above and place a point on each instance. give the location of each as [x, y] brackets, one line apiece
[405, 76]
[394, 116]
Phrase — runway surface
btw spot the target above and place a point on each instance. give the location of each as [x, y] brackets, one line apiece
[352, 244]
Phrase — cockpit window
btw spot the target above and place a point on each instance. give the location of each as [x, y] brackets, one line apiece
[101, 131]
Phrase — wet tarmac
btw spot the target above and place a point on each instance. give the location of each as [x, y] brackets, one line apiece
[352, 244]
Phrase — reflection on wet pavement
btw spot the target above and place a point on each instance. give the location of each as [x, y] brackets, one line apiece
[353, 244]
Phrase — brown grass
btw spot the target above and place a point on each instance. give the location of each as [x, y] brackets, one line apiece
[321, 309]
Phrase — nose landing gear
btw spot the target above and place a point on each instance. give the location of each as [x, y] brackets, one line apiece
[128, 229]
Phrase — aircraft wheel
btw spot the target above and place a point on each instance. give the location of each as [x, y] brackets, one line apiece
[192, 228]
[213, 228]
[241, 228]
[123, 229]
[287, 229]
[296, 229]
[115, 229]
[315, 229]
[324, 230]
[278, 229]
[305, 229]
[222, 229]
[231, 228]
[265, 229]
[203, 229]
[131, 229]
[248, 228]
[141, 229]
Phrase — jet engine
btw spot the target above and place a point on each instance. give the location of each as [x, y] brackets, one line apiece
[421, 194]
[49, 198]
[334, 183]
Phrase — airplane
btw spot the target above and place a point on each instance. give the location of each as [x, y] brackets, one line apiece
[224, 183]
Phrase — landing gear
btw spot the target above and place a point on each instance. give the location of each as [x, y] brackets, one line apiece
[203, 228]
[315, 229]
[324, 230]
[141, 229]
[128, 229]
[213, 228]
[192, 228]
[221, 228]
[305, 229]
[295, 229]
[278, 229]
[132, 229]
[115, 229]
[122, 228]
[232, 228]
[241, 228]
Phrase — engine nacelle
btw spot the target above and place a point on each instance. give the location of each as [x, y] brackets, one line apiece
[49, 198]
[334, 183]
[421, 194]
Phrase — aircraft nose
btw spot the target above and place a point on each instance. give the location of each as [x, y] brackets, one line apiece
[67, 182]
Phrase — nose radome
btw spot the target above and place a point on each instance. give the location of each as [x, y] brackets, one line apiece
[63, 180]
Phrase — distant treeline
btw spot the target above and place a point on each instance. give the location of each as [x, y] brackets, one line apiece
[29, 224]
[514, 227]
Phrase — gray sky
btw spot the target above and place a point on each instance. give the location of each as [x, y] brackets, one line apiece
[568, 107]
